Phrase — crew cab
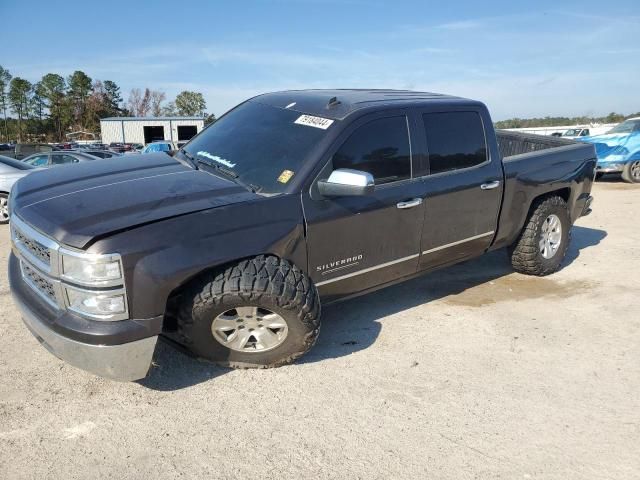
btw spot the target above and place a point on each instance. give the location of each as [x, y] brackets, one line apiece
[290, 201]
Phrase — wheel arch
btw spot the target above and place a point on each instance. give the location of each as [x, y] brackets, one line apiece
[519, 209]
[564, 193]
[175, 296]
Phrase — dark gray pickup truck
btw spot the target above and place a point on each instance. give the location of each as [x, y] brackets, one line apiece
[290, 200]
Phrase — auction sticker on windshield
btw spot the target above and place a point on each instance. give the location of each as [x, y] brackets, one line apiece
[311, 121]
[285, 176]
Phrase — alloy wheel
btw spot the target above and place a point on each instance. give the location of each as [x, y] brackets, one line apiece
[249, 329]
[551, 236]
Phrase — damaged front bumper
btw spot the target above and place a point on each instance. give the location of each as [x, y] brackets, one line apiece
[121, 350]
[126, 362]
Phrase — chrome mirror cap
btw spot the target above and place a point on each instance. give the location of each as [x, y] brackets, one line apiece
[347, 182]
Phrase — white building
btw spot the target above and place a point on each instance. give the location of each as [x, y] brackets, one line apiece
[148, 129]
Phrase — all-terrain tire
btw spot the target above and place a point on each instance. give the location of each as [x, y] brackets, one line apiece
[631, 172]
[4, 211]
[266, 282]
[525, 253]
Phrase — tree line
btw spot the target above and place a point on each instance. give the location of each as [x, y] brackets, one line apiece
[562, 121]
[54, 106]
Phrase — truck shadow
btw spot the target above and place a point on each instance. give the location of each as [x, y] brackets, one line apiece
[354, 325]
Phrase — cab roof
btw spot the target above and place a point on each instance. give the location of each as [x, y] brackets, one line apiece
[339, 103]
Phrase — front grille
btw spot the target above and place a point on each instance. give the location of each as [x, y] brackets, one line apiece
[38, 282]
[34, 247]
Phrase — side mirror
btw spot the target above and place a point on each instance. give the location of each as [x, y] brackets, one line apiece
[345, 182]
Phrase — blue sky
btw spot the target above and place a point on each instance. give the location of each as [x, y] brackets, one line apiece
[521, 58]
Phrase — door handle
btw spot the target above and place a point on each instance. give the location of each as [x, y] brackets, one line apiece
[414, 202]
[490, 185]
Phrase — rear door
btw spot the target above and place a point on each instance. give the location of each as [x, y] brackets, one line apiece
[463, 186]
[355, 243]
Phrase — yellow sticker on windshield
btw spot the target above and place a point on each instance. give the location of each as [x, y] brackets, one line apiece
[285, 176]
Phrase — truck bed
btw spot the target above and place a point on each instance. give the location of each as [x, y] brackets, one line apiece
[517, 143]
[534, 165]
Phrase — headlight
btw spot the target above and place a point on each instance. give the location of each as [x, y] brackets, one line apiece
[97, 305]
[91, 270]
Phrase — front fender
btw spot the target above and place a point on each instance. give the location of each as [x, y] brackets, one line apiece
[160, 257]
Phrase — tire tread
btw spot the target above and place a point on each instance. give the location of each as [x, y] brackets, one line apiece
[250, 280]
[525, 255]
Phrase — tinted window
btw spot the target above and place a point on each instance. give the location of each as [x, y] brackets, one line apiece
[38, 160]
[261, 144]
[380, 147]
[455, 140]
[63, 159]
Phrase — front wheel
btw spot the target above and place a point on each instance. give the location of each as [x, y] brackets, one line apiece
[262, 312]
[4, 208]
[631, 172]
[543, 243]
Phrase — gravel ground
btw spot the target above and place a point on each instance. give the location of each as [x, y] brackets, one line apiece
[471, 372]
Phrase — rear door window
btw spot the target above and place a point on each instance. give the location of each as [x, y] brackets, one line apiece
[380, 147]
[455, 141]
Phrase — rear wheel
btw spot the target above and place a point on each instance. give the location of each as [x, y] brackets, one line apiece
[631, 172]
[543, 243]
[260, 313]
[4, 208]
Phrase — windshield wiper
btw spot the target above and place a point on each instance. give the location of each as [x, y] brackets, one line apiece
[230, 174]
[191, 159]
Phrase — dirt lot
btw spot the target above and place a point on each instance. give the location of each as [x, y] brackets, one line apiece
[472, 372]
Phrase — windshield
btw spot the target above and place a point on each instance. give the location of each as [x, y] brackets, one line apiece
[17, 164]
[627, 126]
[263, 145]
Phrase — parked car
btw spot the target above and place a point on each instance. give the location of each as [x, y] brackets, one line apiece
[57, 158]
[288, 201]
[160, 146]
[11, 170]
[102, 153]
[119, 147]
[619, 150]
[23, 150]
[576, 132]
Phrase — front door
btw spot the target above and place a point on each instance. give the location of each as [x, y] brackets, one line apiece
[355, 243]
[463, 188]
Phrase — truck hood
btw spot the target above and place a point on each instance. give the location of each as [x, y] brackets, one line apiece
[78, 203]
